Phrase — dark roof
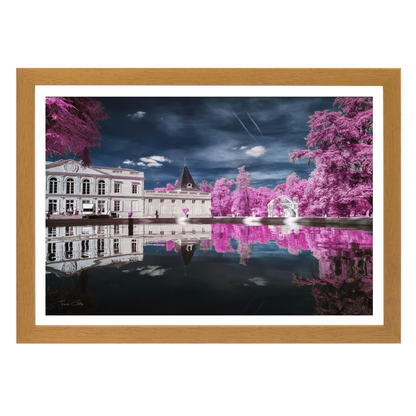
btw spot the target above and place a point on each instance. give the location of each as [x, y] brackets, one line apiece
[185, 179]
[186, 250]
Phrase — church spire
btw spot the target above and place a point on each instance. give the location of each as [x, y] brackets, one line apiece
[185, 181]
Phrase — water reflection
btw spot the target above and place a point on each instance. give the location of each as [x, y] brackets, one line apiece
[235, 269]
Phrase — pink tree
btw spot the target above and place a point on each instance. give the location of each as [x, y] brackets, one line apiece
[206, 187]
[295, 187]
[220, 197]
[341, 145]
[72, 127]
[259, 199]
[169, 187]
[241, 196]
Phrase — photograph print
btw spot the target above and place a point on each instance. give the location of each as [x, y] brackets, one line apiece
[209, 206]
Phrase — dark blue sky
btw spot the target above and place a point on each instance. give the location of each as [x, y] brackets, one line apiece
[205, 131]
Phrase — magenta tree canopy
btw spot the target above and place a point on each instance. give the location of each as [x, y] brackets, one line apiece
[72, 126]
[341, 146]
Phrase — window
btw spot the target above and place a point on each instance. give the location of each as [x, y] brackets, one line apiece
[51, 251]
[150, 232]
[117, 188]
[162, 233]
[189, 185]
[100, 247]
[69, 205]
[116, 205]
[183, 201]
[101, 187]
[69, 231]
[101, 205]
[116, 246]
[150, 200]
[173, 201]
[70, 186]
[85, 249]
[53, 205]
[135, 188]
[193, 201]
[69, 250]
[51, 231]
[53, 186]
[133, 246]
[162, 201]
[173, 232]
[86, 186]
[202, 202]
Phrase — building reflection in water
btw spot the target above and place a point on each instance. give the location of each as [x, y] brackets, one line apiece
[343, 284]
[70, 250]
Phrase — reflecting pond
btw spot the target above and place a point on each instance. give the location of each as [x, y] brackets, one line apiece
[204, 269]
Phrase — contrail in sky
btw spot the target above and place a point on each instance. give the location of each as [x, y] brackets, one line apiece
[245, 128]
[255, 124]
[251, 134]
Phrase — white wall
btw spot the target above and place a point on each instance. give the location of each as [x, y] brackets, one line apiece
[208, 379]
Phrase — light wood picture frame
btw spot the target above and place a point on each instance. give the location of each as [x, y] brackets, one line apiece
[29, 332]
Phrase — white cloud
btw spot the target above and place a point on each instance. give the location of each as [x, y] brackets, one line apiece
[243, 147]
[234, 148]
[256, 151]
[154, 161]
[146, 159]
[160, 159]
[128, 162]
[154, 164]
[137, 115]
[140, 164]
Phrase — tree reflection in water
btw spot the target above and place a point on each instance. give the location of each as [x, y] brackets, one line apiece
[344, 284]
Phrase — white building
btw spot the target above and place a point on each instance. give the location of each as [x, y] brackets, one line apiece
[170, 204]
[69, 185]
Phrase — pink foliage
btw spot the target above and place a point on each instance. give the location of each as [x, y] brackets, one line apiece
[72, 126]
[345, 281]
[259, 198]
[206, 187]
[241, 196]
[170, 245]
[169, 187]
[221, 237]
[326, 244]
[341, 145]
[221, 198]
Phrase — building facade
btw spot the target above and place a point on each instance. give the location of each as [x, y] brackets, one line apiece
[170, 204]
[117, 191]
[69, 185]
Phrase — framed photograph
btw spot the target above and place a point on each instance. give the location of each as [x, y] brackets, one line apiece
[208, 206]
